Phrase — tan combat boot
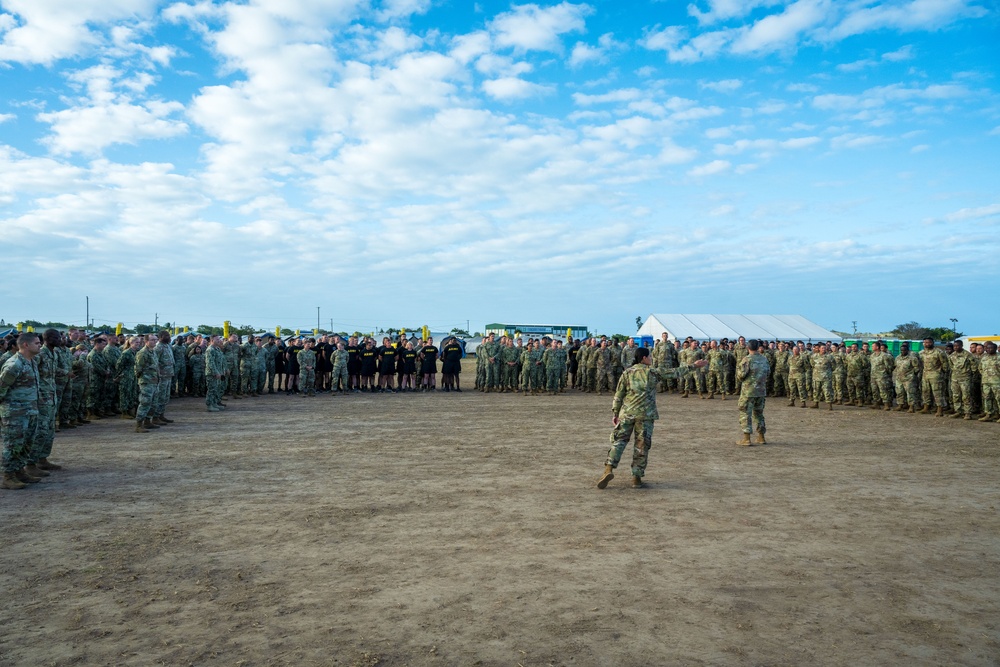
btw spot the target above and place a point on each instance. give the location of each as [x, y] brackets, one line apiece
[803, 405]
[901, 407]
[140, 427]
[985, 418]
[744, 440]
[711, 395]
[791, 403]
[26, 478]
[636, 482]
[163, 420]
[939, 413]
[815, 405]
[609, 474]
[148, 423]
[830, 406]
[926, 410]
[685, 394]
[11, 482]
[887, 408]
[45, 464]
[760, 439]
[35, 471]
[723, 396]
[912, 410]
[957, 415]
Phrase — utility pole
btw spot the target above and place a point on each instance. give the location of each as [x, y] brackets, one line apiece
[854, 323]
[954, 324]
[156, 320]
[317, 319]
[86, 322]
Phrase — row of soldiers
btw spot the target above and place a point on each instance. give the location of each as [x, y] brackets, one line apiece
[946, 381]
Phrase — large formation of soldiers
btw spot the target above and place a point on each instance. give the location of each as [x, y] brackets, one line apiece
[73, 379]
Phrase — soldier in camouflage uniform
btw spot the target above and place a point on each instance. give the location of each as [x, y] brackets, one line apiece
[270, 351]
[906, 378]
[232, 352]
[781, 370]
[112, 353]
[550, 367]
[338, 377]
[634, 410]
[165, 361]
[963, 369]
[751, 376]
[179, 349]
[839, 373]
[19, 411]
[248, 364]
[627, 356]
[81, 379]
[882, 365]
[196, 371]
[935, 364]
[48, 369]
[215, 374]
[147, 374]
[581, 360]
[989, 371]
[100, 374]
[716, 370]
[307, 369]
[822, 376]
[769, 353]
[603, 366]
[128, 385]
[509, 356]
[64, 393]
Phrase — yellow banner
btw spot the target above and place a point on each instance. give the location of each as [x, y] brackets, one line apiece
[118, 329]
[225, 329]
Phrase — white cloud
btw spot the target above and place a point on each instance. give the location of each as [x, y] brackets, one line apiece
[725, 209]
[856, 141]
[513, 88]
[919, 148]
[966, 214]
[4, 117]
[106, 116]
[711, 168]
[723, 86]
[394, 9]
[534, 28]
[781, 31]
[904, 16]
[621, 95]
[765, 147]
[900, 54]
[43, 31]
[724, 10]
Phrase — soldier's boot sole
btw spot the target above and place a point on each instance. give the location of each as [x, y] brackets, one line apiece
[609, 474]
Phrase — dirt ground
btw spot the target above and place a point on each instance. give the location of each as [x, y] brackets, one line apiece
[466, 529]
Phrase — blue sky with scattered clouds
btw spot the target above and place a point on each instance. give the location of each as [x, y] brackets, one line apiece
[403, 162]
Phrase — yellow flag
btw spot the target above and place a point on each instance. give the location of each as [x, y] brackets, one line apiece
[297, 331]
[225, 329]
[20, 327]
[315, 331]
[31, 329]
[187, 329]
[569, 334]
[118, 329]
[277, 331]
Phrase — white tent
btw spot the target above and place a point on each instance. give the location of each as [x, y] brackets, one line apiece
[717, 327]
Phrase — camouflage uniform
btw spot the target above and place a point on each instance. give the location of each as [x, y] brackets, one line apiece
[839, 375]
[110, 405]
[231, 350]
[882, 365]
[215, 376]
[781, 372]
[100, 372]
[180, 369]
[935, 365]
[64, 390]
[147, 375]
[271, 351]
[81, 379]
[906, 377]
[581, 368]
[248, 367]
[550, 364]
[716, 372]
[963, 368]
[751, 376]
[508, 367]
[856, 363]
[338, 378]
[165, 362]
[592, 358]
[797, 378]
[635, 407]
[603, 364]
[18, 411]
[196, 370]
[45, 431]
[307, 372]
[128, 387]
[989, 370]
[822, 377]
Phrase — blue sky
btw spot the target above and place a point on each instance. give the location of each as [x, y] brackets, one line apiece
[405, 162]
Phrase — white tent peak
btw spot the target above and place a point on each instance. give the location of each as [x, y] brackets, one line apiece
[717, 327]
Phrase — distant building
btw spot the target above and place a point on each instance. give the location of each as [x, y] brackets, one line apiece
[537, 330]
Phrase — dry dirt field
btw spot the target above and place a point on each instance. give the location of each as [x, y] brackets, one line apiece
[466, 529]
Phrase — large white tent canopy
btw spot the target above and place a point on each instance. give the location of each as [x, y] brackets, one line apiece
[717, 327]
